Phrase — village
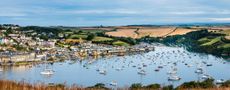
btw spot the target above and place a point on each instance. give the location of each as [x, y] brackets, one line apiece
[19, 48]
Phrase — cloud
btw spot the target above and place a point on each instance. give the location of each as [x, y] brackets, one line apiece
[51, 12]
[220, 19]
[100, 11]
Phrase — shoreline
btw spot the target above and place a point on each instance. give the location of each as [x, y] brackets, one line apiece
[207, 84]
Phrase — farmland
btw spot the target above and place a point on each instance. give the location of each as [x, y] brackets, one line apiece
[138, 32]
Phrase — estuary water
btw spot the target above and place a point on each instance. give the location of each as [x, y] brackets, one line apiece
[124, 69]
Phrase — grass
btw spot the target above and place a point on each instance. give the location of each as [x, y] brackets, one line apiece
[78, 36]
[212, 41]
[90, 31]
[102, 39]
[22, 85]
[204, 39]
[224, 46]
[120, 43]
[68, 33]
[22, 63]
[227, 32]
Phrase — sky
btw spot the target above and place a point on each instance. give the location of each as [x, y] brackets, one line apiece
[113, 12]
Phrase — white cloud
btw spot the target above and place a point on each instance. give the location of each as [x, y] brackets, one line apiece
[188, 13]
[220, 19]
[99, 11]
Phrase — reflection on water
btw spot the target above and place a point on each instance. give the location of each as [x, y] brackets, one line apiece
[145, 68]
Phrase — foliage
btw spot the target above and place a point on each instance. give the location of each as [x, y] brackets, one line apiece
[226, 84]
[90, 36]
[136, 86]
[100, 86]
[102, 39]
[169, 87]
[208, 83]
[120, 43]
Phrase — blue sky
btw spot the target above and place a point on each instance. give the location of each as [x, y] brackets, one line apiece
[112, 12]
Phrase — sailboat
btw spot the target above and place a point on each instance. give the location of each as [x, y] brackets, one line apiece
[173, 76]
[47, 71]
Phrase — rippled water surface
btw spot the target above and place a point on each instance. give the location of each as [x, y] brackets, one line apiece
[123, 70]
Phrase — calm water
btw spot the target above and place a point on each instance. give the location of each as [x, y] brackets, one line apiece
[85, 74]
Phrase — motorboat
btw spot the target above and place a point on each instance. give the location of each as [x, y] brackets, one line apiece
[102, 72]
[220, 81]
[142, 72]
[205, 76]
[157, 70]
[199, 71]
[174, 78]
[209, 64]
[113, 83]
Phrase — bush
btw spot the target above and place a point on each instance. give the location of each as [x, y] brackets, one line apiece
[90, 36]
[208, 83]
[153, 86]
[226, 84]
[170, 87]
[136, 86]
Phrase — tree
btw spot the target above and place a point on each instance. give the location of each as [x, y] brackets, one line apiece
[90, 36]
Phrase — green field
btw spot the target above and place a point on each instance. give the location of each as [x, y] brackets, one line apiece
[224, 46]
[78, 36]
[210, 41]
[102, 39]
[120, 43]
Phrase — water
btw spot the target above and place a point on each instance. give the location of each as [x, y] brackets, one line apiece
[85, 74]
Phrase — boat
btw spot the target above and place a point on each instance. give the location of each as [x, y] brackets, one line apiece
[160, 66]
[174, 78]
[102, 72]
[198, 71]
[157, 70]
[209, 64]
[47, 72]
[205, 76]
[118, 69]
[113, 83]
[220, 81]
[142, 72]
[172, 72]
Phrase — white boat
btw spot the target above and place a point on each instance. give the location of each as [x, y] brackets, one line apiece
[174, 78]
[113, 83]
[102, 72]
[47, 72]
[199, 71]
[205, 76]
[189, 65]
[220, 81]
[142, 72]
